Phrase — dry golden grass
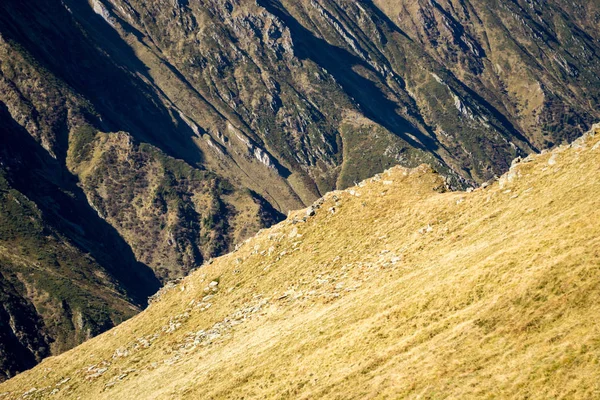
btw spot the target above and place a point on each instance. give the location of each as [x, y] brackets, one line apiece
[403, 292]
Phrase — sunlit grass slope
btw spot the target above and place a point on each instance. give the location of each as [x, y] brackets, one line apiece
[391, 289]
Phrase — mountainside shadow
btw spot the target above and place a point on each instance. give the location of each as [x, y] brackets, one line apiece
[339, 63]
[65, 207]
[85, 52]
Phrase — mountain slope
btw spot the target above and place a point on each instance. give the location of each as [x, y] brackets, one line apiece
[65, 274]
[170, 131]
[394, 288]
[531, 60]
[301, 81]
[81, 247]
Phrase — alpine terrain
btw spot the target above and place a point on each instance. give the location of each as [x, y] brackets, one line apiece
[140, 139]
[394, 288]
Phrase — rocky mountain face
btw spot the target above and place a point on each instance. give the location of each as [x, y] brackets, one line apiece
[66, 275]
[395, 288]
[141, 138]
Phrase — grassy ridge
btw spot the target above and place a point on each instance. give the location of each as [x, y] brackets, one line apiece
[394, 288]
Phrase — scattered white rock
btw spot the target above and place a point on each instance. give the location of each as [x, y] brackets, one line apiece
[63, 381]
[426, 229]
[120, 352]
[96, 373]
